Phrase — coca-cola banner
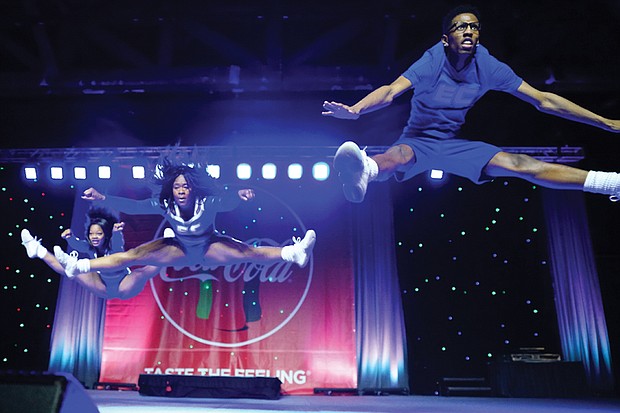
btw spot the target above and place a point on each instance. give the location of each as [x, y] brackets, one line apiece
[246, 320]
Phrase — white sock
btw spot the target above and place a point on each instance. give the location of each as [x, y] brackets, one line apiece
[83, 265]
[41, 251]
[287, 253]
[607, 183]
[373, 169]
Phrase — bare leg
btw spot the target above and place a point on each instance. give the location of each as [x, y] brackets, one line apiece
[396, 159]
[92, 282]
[356, 169]
[550, 175]
[233, 252]
[158, 252]
[161, 252]
[53, 263]
[164, 253]
[134, 283]
[230, 251]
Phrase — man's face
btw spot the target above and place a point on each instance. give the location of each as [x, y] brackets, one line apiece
[463, 34]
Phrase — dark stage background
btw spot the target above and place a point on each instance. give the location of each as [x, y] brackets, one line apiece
[464, 306]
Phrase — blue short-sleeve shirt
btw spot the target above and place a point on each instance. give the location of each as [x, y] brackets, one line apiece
[442, 95]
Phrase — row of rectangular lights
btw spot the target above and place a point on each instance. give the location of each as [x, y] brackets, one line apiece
[269, 171]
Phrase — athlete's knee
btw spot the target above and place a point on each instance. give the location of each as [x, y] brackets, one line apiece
[518, 162]
[397, 158]
[401, 154]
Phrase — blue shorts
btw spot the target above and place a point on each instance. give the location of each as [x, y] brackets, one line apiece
[456, 156]
[195, 251]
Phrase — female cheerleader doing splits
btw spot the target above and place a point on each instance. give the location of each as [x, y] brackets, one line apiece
[104, 236]
[189, 202]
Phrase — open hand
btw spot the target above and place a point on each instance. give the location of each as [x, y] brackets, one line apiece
[339, 110]
[613, 126]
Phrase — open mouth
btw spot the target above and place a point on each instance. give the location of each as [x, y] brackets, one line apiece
[467, 44]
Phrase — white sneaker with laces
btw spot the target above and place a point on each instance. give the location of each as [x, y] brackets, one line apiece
[32, 244]
[300, 251]
[355, 171]
[68, 261]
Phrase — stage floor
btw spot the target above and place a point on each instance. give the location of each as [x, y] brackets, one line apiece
[109, 401]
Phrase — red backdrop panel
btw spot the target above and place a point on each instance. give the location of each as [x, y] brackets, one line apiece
[246, 320]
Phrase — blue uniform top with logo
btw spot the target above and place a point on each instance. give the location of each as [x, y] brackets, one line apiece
[441, 99]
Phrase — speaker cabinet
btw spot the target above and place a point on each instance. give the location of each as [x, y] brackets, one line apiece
[43, 393]
[209, 386]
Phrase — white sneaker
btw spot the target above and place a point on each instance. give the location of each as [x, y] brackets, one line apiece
[31, 243]
[302, 248]
[354, 171]
[614, 197]
[68, 261]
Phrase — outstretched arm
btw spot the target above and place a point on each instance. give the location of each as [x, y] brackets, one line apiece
[375, 100]
[230, 199]
[126, 205]
[553, 104]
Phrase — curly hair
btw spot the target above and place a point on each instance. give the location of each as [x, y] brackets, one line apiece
[171, 165]
[463, 8]
[106, 220]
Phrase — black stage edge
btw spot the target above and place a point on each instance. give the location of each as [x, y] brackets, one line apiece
[374, 391]
[329, 391]
[168, 385]
[43, 392]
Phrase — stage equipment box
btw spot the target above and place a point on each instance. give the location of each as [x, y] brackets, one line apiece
[209, 386]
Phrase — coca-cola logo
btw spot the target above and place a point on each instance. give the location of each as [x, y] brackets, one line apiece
[244, 303]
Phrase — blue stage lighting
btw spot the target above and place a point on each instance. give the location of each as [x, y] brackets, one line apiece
[436, 174]
[269, 171]
[79, 172]
[244, 171]
[138, 172]
[105, 172]
[320, 171]
[56, 172]
[295, 171]
[30, 172]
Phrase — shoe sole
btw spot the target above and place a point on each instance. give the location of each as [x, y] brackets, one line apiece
[309, 248]
[348, 160]
[349, 163]
[26, 234]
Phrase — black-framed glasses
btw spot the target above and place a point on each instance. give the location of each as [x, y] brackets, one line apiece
[462, 26]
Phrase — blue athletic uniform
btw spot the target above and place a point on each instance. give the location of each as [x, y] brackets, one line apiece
[194, 235]
[117, 244]
[441, 98]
